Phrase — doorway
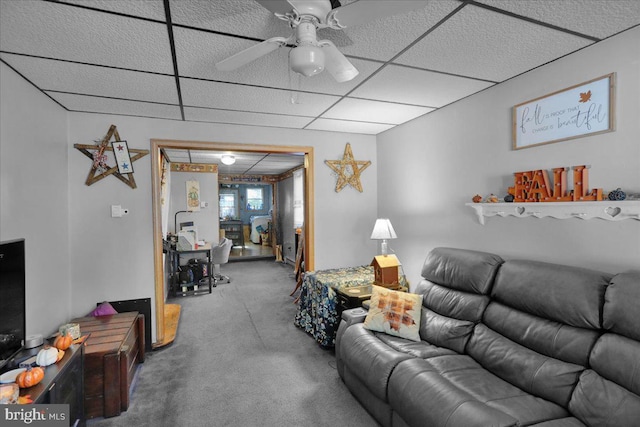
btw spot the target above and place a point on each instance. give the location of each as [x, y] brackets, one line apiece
[156, 169]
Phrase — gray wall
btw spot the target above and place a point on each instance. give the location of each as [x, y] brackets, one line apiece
[285, 219]
[34, 197]
[206, 219]
[435, 164]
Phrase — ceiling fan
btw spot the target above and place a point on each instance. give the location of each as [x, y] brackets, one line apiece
[309, 55]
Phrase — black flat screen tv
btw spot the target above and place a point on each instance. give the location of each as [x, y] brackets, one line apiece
[12, 299]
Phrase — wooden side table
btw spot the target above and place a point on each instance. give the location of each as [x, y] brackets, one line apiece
[352, 297]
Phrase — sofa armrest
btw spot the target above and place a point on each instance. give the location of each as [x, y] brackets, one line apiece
[349, 317]
[354, 315]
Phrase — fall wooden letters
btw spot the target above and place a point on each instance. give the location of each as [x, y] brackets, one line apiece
[533, 186]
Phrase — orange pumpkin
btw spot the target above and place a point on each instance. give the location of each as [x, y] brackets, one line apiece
[63, 341]
[30, 377]
[60, 355]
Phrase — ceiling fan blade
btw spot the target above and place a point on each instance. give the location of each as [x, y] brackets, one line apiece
[336, 63]
[362, 11]
[276, 6]
[251, 54]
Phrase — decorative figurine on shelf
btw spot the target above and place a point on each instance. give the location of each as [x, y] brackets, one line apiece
[617, 194]
[492, 198]
[477, 198]
[508, 198]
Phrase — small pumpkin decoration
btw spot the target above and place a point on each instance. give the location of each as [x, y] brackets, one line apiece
[477, 198]
[47, 356]
[63, 341]
[30, 377]
[60, 355]
[617, 194]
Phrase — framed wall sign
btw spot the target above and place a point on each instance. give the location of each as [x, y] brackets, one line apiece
[580, 110]
[121, 153]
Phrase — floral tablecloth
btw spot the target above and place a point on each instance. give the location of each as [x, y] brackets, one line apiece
[317, 313]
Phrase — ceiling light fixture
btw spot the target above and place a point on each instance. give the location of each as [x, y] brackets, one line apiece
[228, 159]
[307, 58]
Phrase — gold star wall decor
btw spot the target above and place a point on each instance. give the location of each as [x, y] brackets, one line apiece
[100, 169]
[348, 170]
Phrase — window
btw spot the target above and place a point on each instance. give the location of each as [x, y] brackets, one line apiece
[228, 201]
[255, 200]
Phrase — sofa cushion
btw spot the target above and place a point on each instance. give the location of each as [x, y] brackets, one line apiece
[465, 270]
[561, 422]
[395, 313]
[570, 295]
[370, 359]
[600, 402]
[451, 302]
[617, 359]
[421, 349]
[456, 390]
[534, 373]
[445, 331]
[547, 337]
[622, 299]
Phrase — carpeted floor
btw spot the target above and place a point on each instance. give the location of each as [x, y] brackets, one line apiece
[238, 360]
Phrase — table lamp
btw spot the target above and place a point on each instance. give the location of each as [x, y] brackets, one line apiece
[383, 230]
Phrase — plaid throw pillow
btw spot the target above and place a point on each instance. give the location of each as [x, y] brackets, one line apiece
[394, 313]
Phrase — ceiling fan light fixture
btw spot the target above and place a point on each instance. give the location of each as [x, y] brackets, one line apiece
[228, 159]
[307, 60]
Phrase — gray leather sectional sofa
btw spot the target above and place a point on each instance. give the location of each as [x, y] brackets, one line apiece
[503, 343]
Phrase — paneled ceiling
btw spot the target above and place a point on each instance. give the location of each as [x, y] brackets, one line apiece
[156, 58]
[246, 163]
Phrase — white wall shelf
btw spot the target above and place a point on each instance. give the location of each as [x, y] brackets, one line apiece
[607, 210]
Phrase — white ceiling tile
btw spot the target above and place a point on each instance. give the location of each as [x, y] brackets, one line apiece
[452, 48]
[374, 111]
[151, 9]
[412, 86]
[241, 117]
[199, 93]
[595, 18]
[93, 80]
[229, 16]
[196, 58]
[177, 155]
[384, 38]
[484, 44]
[56, 30]
[91, 104]
[380, 39]
[333, 125]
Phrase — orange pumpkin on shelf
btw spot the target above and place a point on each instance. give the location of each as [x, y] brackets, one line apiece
[60, 355]
[63, 341]
[30, 377]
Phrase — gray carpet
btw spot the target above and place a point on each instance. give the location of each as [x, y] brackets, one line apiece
[238, 360]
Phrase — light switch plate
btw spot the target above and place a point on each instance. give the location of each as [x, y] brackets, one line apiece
[116, 211]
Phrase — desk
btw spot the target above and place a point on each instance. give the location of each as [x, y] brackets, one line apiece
[317, 309]
[174, 265]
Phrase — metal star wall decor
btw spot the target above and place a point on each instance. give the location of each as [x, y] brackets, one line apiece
[124, 162]
[348, 170]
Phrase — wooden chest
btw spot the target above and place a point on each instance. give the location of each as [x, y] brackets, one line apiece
[113, 351]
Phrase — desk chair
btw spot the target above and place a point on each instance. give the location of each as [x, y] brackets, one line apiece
[220, 255]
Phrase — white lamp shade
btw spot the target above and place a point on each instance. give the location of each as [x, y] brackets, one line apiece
[383, 230]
